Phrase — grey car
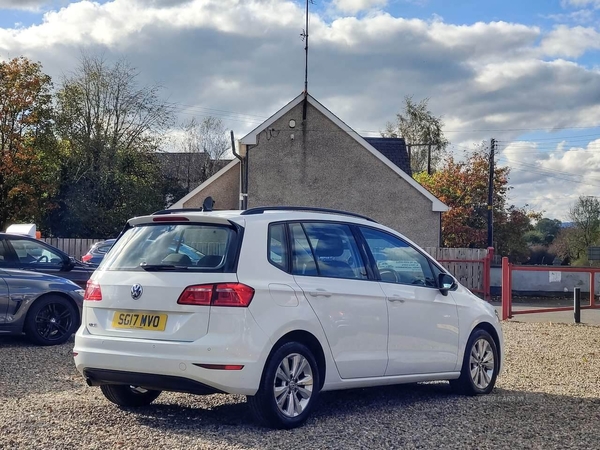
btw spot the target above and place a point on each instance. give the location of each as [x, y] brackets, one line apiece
[44, 307]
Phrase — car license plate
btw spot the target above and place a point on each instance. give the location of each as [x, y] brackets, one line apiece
[139, 320]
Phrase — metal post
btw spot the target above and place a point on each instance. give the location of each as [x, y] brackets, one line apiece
[429, 159]
[592, 289]
[577, 304]
[505, 289]
[490, 205]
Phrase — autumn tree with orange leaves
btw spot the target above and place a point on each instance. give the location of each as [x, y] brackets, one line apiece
[463, 186]
[27, 144]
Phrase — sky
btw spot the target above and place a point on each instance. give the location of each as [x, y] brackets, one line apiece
[526, 73]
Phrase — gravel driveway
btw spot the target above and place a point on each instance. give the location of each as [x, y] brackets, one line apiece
[548, 397]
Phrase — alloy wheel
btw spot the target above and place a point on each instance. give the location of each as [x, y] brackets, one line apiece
[293, 385]
[53, 321]
[481, 363]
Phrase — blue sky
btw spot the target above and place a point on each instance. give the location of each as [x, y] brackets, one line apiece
[526, 73]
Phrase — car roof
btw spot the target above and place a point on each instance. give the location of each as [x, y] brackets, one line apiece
[240, 216]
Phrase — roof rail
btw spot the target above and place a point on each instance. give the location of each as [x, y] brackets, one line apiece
[181, 210]
[262, 209]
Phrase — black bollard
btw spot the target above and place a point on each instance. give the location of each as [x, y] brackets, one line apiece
[577, 304]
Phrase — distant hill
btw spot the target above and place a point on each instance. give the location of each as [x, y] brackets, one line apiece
[567, 224]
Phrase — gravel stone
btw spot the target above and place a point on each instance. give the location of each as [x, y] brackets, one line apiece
[547, 397]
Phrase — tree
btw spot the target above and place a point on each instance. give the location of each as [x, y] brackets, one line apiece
[548, 229]
[463, 186]
[567, 245]
[27, 144]
[419, 127]
[585, 214]
[204, 145]
[111, 129]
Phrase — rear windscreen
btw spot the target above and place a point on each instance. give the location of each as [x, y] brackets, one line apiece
[194, 247]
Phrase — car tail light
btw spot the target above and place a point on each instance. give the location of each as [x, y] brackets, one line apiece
[86, 258]
[232, 294]
[196, 295]
[221, 294]
[93, 293]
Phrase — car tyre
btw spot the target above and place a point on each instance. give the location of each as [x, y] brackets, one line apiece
[51, 320]
[129, 396]
[289, 388]
[480, 365]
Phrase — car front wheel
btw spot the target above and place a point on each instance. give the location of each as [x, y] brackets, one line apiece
[289, 388]
[480, 365]
[51, 320]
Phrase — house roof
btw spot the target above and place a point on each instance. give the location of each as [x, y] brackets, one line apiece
[179, 204]
[393, 149]
[251, 139]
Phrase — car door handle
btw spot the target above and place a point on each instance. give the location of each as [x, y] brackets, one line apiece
[395, 298]
[320, 293]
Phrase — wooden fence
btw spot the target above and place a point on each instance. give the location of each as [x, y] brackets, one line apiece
[470, 266]
[72, 247]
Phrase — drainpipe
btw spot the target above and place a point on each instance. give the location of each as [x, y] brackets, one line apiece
[238, 156]
[243, 174]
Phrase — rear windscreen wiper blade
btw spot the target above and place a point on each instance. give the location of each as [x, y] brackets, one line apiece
[157, 267]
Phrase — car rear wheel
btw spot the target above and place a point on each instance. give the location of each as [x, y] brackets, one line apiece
[129, 396]
[289, 388]
[51, 320]
[480, 365]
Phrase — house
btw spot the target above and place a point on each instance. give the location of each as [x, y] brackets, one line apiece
[188, 169]
[323, 162]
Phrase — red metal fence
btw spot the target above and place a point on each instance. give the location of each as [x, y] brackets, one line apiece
[508, 269]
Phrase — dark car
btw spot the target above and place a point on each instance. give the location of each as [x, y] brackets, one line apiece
[96, 253]
[44, 307]
[26, 253]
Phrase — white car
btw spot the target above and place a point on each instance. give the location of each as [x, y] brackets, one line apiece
[285, 303]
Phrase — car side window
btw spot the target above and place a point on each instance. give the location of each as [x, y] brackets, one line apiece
[303, 261]
[397, 261]
[335, 250]
[30, 252]
[277, 248]
[5, 255]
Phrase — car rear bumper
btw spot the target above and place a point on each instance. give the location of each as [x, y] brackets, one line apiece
[98, 377]
[173, 365]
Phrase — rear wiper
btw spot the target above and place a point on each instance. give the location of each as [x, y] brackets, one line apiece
[157, 267]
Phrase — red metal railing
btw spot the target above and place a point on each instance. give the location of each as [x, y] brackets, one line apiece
[487, 265]
[508, 269]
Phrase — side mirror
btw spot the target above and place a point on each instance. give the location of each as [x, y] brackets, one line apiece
[446, 283]
[68, 264]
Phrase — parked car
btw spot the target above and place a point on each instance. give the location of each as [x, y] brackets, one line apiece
[97, 251]
[27, 253]
[292, 302]
[44, 307]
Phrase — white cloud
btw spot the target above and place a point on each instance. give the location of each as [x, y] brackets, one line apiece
[579, 16]
[242, 60]
[552, 180]
[355, 6]
[570, 42]
[580, 3]
[23, 4]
